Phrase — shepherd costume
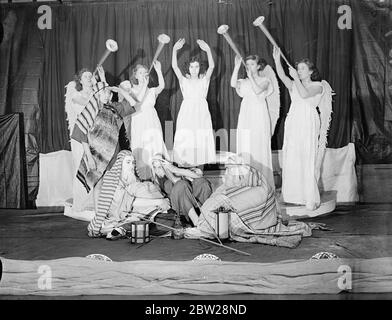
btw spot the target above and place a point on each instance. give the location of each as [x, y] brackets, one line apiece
[254, 215]
[120, 203]
[185, 193]
[101, 126]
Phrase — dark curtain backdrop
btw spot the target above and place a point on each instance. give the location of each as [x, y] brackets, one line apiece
[13, 182]
[354, 62]
[21, 60]
[372, 82]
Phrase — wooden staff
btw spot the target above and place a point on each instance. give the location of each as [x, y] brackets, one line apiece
[201, 212]
[259, 23]
[203, 239]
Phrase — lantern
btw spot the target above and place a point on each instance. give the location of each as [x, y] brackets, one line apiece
[222, 223]
[140, 231]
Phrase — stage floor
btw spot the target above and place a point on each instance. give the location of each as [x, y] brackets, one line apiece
[360, 231]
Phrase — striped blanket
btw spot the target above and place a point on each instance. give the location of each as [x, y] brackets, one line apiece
[254, 216]
[110, 183]
[86, 118]
[101, 124]
[103, 144]
[140, 196]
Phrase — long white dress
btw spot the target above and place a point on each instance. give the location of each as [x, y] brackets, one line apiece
[300, 147]
[82, 200]
[146, 135]
[194, 139]
[254, 130]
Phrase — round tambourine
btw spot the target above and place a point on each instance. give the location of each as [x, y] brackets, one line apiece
[206, 257]
[100, 257]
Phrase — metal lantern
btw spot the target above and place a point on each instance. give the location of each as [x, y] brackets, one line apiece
[222, 223]
[140, 231]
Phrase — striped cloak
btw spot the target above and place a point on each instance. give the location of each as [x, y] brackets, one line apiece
[254, 215]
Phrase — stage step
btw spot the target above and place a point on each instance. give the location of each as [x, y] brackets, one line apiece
[292, 211]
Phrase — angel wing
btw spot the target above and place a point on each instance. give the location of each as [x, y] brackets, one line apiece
[273, 100]
[325, 108]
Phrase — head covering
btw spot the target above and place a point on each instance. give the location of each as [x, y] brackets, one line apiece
[111, 180]
[249, 176]
[253, 178]
[252, 199]
[165, 165]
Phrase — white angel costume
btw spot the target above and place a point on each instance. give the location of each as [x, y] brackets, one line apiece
[146, 135]
[194, 142]
[305, 140]
[82, 201]
[254, 129]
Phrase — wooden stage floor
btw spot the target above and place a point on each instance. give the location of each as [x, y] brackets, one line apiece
[359, 231]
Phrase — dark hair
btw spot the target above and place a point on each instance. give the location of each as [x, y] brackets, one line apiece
[261, 62]
[315, 76]
[78, 77]
[133, 79]
[202, 69]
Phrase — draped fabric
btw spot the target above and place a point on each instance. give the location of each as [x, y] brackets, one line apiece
[20, 68]
[76, 276]
[371, 116]
[354, 61]
[13, 182]
[110, 183]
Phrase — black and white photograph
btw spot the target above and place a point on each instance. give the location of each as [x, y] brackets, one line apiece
[206, 153]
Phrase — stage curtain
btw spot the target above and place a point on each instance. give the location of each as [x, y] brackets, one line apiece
[372, 81]
[13, 182]
[303, 28]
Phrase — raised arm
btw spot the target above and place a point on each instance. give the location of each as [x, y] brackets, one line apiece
[138, 93]
[101, 73]
[279, 70]
[125, 94]
[128, 97]
[234, 77]
[177, 46]
[257, 87]
[211, 65]
[183, 172]
[161, 81]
